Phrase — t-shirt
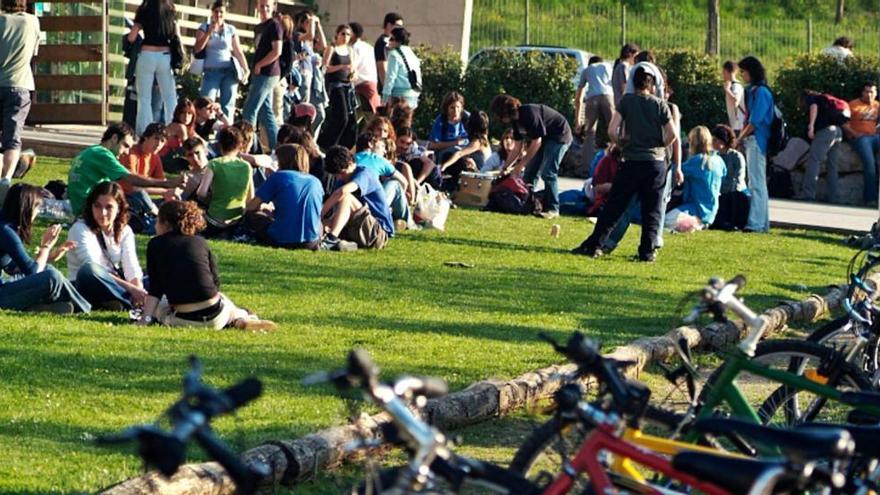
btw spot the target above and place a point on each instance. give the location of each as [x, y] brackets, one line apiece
[145, 165]
[380, 49]
[604, 174]
[267, 33]
[374, 162]
[445, 131]
[93, 165]
[702, 186]
[157, 31]
[182, 268]
[232, 179]
[298, 199]
[736, 110]
[759, 108]
[826, 114]
[541, 121]
[864, 116]
[365, 71]
[371, 192]
[218, 49]
[644, 117]
[659, 86]
[735, 178]
[597, 79]
[19, 39]
[618, 80]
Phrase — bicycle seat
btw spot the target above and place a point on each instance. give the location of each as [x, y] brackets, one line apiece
[866, 438]
[736, 475]
[802, 445]
[861, 399]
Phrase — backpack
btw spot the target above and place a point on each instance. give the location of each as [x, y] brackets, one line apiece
[512, 195]
[778, 127]
[839, 109]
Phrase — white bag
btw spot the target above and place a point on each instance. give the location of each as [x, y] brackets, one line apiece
[432, 208]
[196, 66]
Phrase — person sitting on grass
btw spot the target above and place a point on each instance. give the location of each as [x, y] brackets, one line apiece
[104, 264]
[397, 189]
[183, 270]
[733, 202]
[230, 184]
[703, 174]
[36, 285]
[357, 210]
[476, 153]
[449, 134]
[209, 118]
[100, 163]
[143, 160]
[295, 222]
[196, 154]
[498, 158]
[409, 152]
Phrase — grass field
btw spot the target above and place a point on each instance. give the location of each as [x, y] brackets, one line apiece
[66, 380]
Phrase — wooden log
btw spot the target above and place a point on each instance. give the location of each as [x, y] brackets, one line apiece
[293, 461]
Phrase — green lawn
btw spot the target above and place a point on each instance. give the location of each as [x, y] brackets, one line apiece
[65, 380]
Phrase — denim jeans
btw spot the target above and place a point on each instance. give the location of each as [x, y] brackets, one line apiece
[152, 65]
[819, 148]
[546, 162]
[259, 105]
[221, 85]
[759, 198]
[97, 286]
[868, 149]
[396, 197]
[45, 287]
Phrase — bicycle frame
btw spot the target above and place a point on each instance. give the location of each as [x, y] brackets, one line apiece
[604, 438]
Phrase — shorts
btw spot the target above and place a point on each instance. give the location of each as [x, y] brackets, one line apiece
[15, 104]
[364, 230]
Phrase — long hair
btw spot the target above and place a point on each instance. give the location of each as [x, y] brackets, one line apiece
[185, 106]
[163, 9]
[700, 142]
[478, 127]
[755, 68]
[378, 123]
[450, 99]
[18, 208]
[115, 191]
[502, 151]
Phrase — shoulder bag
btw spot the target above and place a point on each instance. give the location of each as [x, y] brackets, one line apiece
[415, 79]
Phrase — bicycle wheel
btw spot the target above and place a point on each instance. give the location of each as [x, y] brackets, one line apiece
[842, 334]
[786, 405]
[488, 479]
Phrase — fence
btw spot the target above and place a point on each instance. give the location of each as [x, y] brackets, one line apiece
[601, 29]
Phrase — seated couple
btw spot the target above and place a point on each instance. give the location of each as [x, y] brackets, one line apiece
[356, 215]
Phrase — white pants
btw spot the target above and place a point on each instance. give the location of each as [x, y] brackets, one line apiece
[154, 66]
[227, 316]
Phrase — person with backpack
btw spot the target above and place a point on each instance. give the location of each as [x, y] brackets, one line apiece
[827, 114]
[755, 137]
[403, 78]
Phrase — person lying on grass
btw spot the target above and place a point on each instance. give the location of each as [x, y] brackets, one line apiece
[183, 270]
[104, 264]
[36, 285]
[357, 210]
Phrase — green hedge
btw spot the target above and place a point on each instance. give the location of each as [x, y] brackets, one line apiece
[441, 73]
[824, 74]
[695, 80]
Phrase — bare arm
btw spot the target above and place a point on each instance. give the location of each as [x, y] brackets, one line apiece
[333, 200]
[814, 112]
[578, 99]
[205, 186]
[202, 39]
[239, 55]
[133, 34]
[254, 204]
[140, 181]
[467, 150]
[614, 128]
[531, 151]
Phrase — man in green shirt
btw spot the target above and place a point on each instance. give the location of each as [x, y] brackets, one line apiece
[19, 39]
[100, 163]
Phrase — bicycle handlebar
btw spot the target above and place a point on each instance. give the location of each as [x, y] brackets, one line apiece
[717, 291]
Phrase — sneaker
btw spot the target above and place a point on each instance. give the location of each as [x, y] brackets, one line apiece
[590, 252]
[548, 215]
[649, 257]
[58, 308]
[256, 325]
[333, 243]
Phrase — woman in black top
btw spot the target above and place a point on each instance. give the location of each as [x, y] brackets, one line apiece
[156, 19]
[341, 125]
[182, 268]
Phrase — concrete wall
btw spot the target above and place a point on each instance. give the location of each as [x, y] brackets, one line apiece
[431, 22]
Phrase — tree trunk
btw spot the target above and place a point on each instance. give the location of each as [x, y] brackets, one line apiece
[292, 461]
[712, 28]
[838, 17]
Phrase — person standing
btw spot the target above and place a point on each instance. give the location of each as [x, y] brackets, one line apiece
[19, 41]
[222, 49]
[621, 70]
[755, 137]
[861, 132]
[548, 135]
[366, 78]
[401, 60]
[734, 97]
[381, 49]
[824, 131]
[339, 62]
[157, 20]
[596, 95]
[643, 126]
[266, 72]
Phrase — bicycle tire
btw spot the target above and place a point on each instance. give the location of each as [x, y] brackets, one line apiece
[833, 334]
[767, 406]
[492, 479]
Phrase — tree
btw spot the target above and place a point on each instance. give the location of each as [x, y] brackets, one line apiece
[712, 27]
[838, 18]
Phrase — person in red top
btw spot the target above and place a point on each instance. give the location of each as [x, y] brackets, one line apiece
[143, 160]
[603, 176]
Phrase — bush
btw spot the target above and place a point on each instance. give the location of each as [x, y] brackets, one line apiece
[695, 81]
[441, 73]
[531, 77]
[824, 74]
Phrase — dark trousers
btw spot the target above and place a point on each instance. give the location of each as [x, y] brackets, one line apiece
[341, 124]
[644, 179]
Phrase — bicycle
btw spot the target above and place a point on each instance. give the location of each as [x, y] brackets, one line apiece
[432, 464]
[190, 417]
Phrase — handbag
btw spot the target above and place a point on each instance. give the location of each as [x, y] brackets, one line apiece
[197, 65]
[415, 80]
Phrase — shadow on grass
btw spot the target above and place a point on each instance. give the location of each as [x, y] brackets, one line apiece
[817, 236]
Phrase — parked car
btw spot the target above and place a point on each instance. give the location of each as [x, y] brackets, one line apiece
[580, 56]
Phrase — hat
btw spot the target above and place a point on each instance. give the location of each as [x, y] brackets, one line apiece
[303, 110]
